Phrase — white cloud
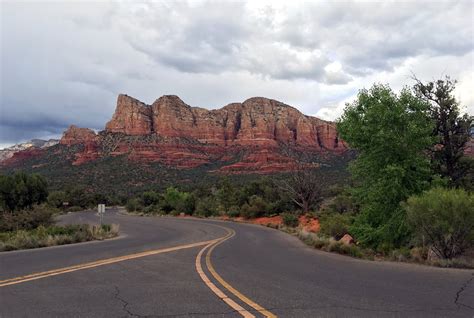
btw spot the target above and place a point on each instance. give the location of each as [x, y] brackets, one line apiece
[65, 62]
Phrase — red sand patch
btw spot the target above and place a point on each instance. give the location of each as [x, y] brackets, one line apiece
[309, 224]
[275, 220]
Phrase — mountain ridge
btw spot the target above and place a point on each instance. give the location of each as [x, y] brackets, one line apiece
[259, 135]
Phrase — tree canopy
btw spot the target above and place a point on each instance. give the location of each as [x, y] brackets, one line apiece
[391, 134]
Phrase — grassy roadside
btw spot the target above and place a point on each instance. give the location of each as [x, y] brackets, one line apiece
[328, 244]
[44, 236]
[405, 255]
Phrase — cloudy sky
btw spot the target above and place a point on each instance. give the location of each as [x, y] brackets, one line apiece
[64, 62]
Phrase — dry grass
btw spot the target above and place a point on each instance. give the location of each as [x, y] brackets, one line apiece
[55, 235]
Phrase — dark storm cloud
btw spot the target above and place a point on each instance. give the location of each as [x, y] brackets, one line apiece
[65, 62]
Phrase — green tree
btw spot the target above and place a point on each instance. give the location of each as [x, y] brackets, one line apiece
[452, 130]
[22, 191]
[56, 198]
[443, 219]
[150, 198]
[391, 134]
[226, 194]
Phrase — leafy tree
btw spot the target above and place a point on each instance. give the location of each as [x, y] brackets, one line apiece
[173, 199]
[391, 134]
[444, 219]
[207, 206]
[150, 198]
[56, 198]
[7, 197]
[452, 130]
[77, 196]
[226, 194]
[256, 207]
[22, 191]
[134, 205]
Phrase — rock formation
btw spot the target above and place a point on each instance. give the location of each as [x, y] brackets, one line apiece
[75, 135]
[257, 120]
[254, 136]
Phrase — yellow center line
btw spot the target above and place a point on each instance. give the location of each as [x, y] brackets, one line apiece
[64, 270]
[216, 290]
[225, 284]
[234, 291]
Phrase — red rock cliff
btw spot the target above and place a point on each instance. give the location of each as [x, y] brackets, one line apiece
[257, 120]
[75, 135]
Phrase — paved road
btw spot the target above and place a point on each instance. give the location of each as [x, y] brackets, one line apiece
[153, 270]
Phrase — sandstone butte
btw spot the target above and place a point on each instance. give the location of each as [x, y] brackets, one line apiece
[246, 137]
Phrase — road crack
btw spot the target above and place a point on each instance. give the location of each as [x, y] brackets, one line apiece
[459, 292]
[124, 303]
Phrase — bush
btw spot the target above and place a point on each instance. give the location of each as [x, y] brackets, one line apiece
[290, 219]
[56, 199]
[256, 207]
[150, 198]
[233, 211]
[207, 207]
[134, 205]
[335, 224]
[443, 218]
[26, 219]
[21, 191]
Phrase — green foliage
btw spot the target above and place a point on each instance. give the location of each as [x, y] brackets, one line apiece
[234, 211]
[20, 191]
[134, 205]
[256, 207]
[335, 225]
[57, 198]
[175, 200]
[55, 235]
[150, 198]
[391, 134]
[444, 219]
[342, 202]
[26, 219]
[290, 219]
[451, 131]
[206, 207]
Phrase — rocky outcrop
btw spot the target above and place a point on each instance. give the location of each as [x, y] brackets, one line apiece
[257, 120]
[131, 117]
[75, 135]
[255, 136]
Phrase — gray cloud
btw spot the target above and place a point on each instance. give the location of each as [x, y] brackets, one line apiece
[65, 62]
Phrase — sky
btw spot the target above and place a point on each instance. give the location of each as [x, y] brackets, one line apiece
[65, 62]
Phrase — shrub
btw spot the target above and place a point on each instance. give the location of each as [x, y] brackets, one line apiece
[55, 235]
[134, 205]
[256, 207]
[56, 199]
[21, 191]
[207, 207]
[26, 219]
[150, 198]
[233, 211]
[443, 218]
[335, 224]
[290, 219]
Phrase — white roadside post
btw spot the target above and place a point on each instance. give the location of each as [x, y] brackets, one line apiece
[101, 211]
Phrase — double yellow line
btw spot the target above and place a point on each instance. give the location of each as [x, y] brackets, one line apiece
[64, 270]
[210, 248]
[208, 245]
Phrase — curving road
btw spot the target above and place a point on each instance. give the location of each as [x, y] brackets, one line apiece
[174, 267]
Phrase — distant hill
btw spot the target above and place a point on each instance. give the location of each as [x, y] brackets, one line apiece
[7, 153]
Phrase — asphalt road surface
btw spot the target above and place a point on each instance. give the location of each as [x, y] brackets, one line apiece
[179, 267]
